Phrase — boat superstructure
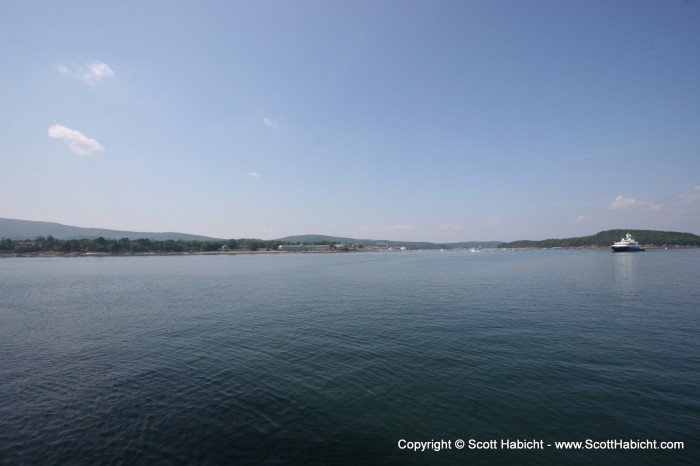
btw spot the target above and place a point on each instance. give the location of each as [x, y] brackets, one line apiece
[627, 244]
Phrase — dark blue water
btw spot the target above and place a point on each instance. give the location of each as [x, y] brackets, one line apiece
[336, 358]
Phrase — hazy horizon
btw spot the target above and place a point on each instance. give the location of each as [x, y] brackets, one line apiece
[466, 240]
[442, 121]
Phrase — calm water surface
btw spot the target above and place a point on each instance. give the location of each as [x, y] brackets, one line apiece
[335, 358]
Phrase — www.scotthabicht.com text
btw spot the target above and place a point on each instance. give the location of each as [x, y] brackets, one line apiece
[534, 444]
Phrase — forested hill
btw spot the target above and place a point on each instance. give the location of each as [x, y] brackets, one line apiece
[608, 237]
[29, 229]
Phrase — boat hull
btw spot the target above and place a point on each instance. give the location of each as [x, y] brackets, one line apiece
[627, 249]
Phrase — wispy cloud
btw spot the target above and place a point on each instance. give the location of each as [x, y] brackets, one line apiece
[582, 219]
[400, 228]
[692, 196]
[90, 74]
[271, 123]
[254, 175]
[492, 221]
[622, 202]
[77, 141]
[448, 227]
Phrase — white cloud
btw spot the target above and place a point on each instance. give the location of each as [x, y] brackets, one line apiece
[622, 202]
[270, 123]
[692, 196]
[400, 228]
[653, 206]
[91, 74]
[492, 221]
[582, 219]
[448, 226]
[77, 141]
[254, 175]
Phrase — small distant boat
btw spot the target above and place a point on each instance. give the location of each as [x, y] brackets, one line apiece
[473, 250]
[627, 244]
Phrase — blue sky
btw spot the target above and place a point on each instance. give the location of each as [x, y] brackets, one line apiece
[404, 120]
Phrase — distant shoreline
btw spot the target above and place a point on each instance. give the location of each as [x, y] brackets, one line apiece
[149, 254]
[236, 253]
[154, 254]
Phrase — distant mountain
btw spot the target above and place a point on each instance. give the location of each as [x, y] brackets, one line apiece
[389, 243]
[608, 237]
[317, 239]
[27, 229]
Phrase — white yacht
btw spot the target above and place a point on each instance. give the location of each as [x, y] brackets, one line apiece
[627, 244]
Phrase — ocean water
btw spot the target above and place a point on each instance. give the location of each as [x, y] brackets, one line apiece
[351, 358]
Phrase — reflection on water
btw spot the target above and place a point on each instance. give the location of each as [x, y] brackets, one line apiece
[625, 271]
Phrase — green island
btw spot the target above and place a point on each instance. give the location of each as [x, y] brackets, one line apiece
[603, 239]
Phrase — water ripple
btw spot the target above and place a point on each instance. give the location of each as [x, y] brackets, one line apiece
[333, 358]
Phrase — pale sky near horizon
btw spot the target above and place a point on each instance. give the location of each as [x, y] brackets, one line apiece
[403, 120]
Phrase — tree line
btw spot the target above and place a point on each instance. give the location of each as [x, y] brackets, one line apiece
[50, 244]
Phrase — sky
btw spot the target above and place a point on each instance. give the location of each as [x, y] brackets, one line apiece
[406, 120]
